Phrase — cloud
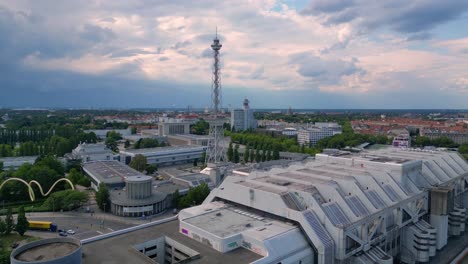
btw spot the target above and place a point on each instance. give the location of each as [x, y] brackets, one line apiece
[324, 71]
[399, 15]
[347, 53]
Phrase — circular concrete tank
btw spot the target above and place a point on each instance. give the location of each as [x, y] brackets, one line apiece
[61, 250]
[138, 187]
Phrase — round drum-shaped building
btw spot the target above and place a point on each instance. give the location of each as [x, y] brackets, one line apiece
[138, 198]
[61, 250]
[138, 187]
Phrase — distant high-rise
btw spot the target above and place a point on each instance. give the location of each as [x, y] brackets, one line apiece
[216, 152]
[243, 119]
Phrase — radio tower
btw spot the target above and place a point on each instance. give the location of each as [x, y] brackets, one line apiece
[216, 152]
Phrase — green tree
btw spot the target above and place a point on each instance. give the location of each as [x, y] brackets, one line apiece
[138, 162]
[133, 130]
[200, 128]
[236, 157]
[112, 144]
[1, 166]
[258, 156]
[276, 155]
[74, 176]
[176, 199]
[151, 168]
[51, 162]
[247, 154]
[230, 152]
[21, 223]
[264, 155]
[127, 143]
[9, 224]
[2, 226]
[463, 148]
[102, 197]
[269, 155]
[252, 155]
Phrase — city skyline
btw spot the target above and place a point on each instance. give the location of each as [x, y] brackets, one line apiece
[309, 55]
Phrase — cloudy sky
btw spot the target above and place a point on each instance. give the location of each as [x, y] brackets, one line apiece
[299, 53]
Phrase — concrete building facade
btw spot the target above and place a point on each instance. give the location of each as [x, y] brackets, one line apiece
[166, 128]
[243, 119]
[373, 207]
[313, 134]
[165, 156]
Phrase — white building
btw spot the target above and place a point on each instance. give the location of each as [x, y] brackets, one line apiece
[289, 131]
[402, 141]
[172, 128]
[165, 156]
[373, 207]
[243, 119]
[102, 133]
[313, 134]
[92, 152]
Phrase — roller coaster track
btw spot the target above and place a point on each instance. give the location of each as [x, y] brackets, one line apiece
[32, 196]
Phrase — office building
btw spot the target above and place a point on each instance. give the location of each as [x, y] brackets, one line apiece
[311, 135]
[372, 207]
[243, 119]
[91, 152]
[172, 128]
[165, 156]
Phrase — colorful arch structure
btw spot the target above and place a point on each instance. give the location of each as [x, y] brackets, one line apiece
[32, 196]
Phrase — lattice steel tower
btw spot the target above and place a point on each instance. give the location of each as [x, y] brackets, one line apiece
[216, 152]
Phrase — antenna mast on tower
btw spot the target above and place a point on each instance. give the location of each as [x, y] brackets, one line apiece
[216, 152]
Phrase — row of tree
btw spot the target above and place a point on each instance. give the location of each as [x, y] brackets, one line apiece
[148, 143]
[55, 145]
[251, 155]
[443, 142]
[8, 225]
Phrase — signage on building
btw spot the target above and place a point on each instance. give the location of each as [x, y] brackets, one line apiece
[140, 209]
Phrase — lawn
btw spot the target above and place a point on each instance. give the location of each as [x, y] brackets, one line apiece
[7, 240]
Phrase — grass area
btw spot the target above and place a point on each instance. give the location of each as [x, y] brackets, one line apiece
[7, 240]
[28, 207]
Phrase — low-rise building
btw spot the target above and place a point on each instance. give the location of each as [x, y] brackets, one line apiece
[459, 137]
[91, 152]
[16, 162]
[165, 156]
[189, 139]
[173, 128]
[102, 133]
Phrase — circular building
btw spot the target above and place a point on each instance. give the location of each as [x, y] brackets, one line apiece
[138, 198]
[63, 250]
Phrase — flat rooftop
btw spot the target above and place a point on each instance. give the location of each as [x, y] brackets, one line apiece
[110, 171]
[226, 222]
[47, 252]
[161, 149]
[117, 248]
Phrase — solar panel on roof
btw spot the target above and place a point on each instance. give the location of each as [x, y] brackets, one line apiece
[391, 193]
[336, 215]
[357, 206]
[375, 199]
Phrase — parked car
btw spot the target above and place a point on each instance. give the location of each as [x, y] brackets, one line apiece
[71, 232]
[61, 231]
[62, 234]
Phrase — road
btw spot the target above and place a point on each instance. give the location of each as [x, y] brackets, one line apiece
[86, 225]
